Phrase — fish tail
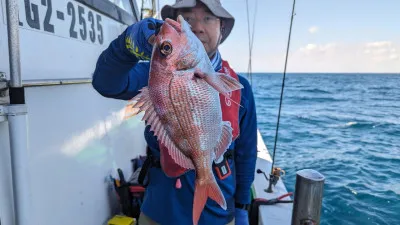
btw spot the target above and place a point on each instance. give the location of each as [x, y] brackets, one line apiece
[204, 190]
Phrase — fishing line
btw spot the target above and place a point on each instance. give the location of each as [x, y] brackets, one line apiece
[283, 85]
[251, 39]
[254, 25]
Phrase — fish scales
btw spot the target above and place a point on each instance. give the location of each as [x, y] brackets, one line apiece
[188, 110]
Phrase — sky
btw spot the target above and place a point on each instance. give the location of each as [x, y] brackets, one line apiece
[327, 36]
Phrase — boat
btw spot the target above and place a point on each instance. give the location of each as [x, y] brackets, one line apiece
[61, 143]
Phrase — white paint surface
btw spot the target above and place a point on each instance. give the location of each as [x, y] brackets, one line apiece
[76, 137]
[279, 214]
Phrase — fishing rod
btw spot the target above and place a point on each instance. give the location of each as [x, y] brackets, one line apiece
[248, 30]
[251, 39]
[275, 173]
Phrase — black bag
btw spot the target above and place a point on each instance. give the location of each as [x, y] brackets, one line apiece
[130, 192]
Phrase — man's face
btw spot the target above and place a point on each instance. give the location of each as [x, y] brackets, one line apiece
[205, 26]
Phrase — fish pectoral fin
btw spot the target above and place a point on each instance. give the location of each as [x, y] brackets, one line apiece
[221, 82]
[225, 140]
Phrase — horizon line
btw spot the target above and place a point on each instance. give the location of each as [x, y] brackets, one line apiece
[383, 73]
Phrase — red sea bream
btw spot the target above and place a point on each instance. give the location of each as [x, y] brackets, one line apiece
[182, 106]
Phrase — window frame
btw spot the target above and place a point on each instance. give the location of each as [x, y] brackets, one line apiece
[108, 8]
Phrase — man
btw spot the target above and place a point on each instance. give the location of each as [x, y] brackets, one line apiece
[119, 74]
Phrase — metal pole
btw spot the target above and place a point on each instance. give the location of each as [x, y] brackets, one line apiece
[13, 42]
[17, 122]
[308, 197]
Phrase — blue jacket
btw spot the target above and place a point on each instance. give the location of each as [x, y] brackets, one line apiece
[119, 74]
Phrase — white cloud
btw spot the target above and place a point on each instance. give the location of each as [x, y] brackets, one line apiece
[345, 57]
[381, 51]
[379, 57]
[308, 47]
[393, 56]
[379, 44]
[313, 48]
[313, 29]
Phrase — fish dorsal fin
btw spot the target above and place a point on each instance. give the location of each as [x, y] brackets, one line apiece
[142, 103]
[225, 140]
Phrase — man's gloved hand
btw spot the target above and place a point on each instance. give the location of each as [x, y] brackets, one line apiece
[241, 217]
[139, 35]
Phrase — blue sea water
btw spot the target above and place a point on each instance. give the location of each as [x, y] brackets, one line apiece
[347, 127]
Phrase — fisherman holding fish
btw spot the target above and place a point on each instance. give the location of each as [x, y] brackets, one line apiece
[201, 117]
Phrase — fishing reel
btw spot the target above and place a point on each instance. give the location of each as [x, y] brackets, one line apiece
[274, 178]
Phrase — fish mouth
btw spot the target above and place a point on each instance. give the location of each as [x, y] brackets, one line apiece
[174, 24]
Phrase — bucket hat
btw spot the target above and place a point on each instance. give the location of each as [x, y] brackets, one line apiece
[215, 6]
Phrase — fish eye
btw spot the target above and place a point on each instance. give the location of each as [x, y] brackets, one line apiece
[166, 48]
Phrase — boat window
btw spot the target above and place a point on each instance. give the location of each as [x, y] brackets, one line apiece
[123, 4]
[121, 10]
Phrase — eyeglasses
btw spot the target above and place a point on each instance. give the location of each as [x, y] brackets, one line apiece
[207, 20]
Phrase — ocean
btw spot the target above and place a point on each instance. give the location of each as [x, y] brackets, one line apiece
[347, 127]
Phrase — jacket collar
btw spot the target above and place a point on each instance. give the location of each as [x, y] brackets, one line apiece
[216, 61]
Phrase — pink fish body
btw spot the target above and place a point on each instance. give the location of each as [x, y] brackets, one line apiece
[182, 106]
